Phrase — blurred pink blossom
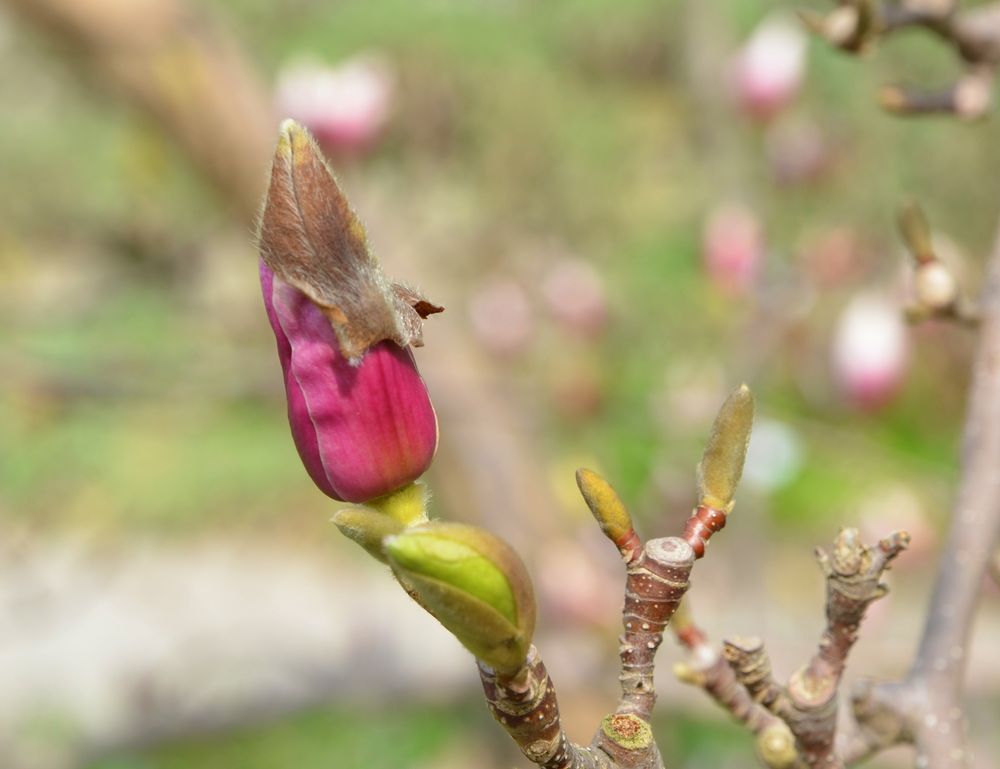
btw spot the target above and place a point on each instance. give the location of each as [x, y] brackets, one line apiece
[733, 248]
[799, 152]
[870, 351]
[768, 70]
[501, 317]
[574, 293]
[344, 106]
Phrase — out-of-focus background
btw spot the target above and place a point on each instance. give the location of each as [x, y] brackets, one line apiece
[627, 209]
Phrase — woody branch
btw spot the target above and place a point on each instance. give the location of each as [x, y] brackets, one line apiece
[856, 26]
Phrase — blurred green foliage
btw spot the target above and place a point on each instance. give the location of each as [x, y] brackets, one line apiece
[332, 737]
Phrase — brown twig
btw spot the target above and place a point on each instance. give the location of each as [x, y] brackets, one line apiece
[853, 577]
[857, 25]
[925, 708]
[808, 705]
[710, 671]
[656, 582]
[938, 670]
[525, 706]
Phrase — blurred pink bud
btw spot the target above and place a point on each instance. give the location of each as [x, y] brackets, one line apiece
[833, 257]
[733, 248]
[362, 430]
[345, 107]
[870, 351]
[574, 293]
[798, 152]
[501, 317]
[768, 70]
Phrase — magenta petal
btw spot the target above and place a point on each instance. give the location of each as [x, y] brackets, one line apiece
[361, 431]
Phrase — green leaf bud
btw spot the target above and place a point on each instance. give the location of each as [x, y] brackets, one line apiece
[473, 583]
[721, 465]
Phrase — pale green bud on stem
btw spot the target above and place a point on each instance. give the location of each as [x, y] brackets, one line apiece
[473, 583]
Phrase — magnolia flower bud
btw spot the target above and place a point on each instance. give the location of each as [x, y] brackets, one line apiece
[360, 414]
[345, 106]
[473, 583]
[769, 69]
[361, 431]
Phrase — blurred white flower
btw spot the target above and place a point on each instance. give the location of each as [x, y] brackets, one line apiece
[870, 351]
[733, 248]
[344, 106]
[769, 69]
[574, 293]
[774, 457]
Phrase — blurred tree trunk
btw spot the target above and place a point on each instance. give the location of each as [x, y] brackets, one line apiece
[180, 70]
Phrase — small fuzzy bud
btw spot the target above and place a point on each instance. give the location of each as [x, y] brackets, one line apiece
[608, 509]
[368, 528]
[473, 583]
[722, 463]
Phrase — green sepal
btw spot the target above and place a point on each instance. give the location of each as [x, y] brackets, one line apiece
[368, 528]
